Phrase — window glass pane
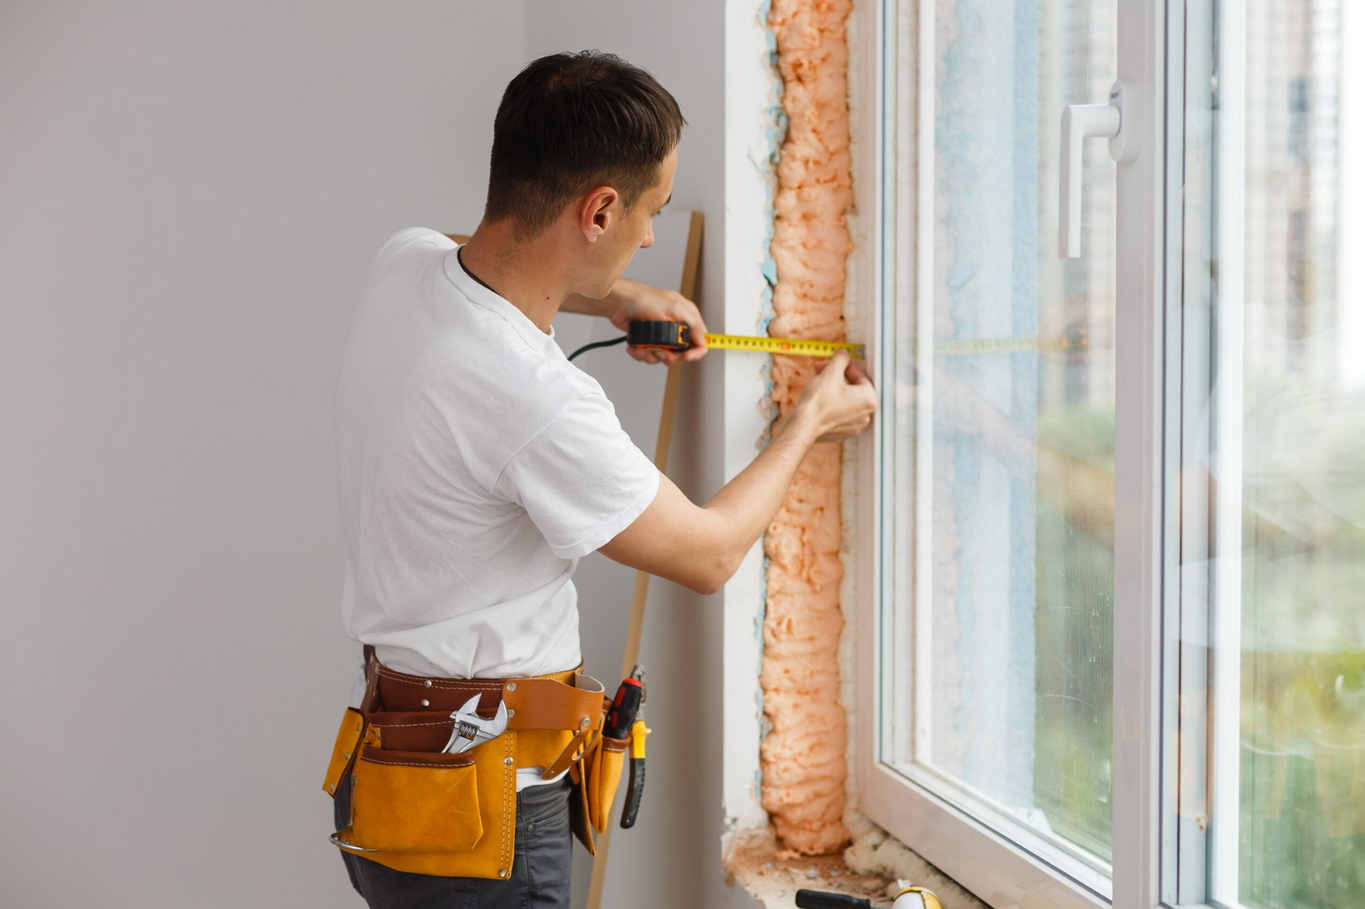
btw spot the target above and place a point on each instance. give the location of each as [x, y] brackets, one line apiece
[1302, 829]
[1008, 500]
[1284, 417]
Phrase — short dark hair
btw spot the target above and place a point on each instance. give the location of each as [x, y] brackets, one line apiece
[569, 122]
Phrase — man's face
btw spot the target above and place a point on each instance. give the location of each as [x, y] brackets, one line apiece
[634, 229]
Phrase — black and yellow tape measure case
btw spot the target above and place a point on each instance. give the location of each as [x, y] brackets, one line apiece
[659, 335]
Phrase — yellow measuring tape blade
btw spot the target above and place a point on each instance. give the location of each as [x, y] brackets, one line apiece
[801, 347]
[797, 347]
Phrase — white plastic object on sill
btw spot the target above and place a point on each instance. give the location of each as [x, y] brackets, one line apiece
[1115, 121]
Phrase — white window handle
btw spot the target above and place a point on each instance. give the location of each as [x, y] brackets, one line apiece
[1087, 121]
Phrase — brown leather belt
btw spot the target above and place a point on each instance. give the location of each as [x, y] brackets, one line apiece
[565, 700]
[400, 691]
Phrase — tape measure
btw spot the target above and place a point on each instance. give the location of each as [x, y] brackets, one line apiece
[677, 336]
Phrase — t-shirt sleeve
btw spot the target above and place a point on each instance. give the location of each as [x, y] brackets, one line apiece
[581, 479]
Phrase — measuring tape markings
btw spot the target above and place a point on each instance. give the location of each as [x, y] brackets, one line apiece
[661, 335]
[800, 347]
[964, 347]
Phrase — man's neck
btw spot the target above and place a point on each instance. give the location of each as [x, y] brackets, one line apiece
[517, 272]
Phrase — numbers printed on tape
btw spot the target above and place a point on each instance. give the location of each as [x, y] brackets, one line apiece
[798, 347]
[664, 335]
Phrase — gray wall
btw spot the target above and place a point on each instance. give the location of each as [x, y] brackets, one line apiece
[190, 197]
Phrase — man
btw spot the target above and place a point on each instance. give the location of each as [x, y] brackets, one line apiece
[477, 465]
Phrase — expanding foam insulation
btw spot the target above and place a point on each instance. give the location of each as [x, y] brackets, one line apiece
[804, 751]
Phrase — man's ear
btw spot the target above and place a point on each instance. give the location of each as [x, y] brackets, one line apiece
[597, 211]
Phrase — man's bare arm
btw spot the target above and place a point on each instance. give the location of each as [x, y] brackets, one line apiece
[701, 546]
[587, 306]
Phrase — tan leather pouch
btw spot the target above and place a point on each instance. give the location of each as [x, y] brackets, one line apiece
[348, 737]
[414, 801]
[579, 821]
[418, 809]
[604, 777]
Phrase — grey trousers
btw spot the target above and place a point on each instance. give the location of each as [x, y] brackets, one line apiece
[540, 867]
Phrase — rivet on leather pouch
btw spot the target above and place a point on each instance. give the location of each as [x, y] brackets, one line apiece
[348, 737]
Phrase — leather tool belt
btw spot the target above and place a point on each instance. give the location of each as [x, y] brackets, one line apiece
[416, 808]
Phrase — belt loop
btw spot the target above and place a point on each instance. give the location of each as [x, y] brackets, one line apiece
[371, 682]
[575, 751]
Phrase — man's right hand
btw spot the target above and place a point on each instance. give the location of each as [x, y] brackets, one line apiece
[838, 402]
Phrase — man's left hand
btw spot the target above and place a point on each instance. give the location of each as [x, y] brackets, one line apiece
[640, 302]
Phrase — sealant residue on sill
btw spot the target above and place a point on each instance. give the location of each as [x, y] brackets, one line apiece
[772, 877]
[875, 867]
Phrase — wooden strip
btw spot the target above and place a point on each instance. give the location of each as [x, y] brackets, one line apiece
[688, 288]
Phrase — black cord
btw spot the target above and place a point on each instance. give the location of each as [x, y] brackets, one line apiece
[587, 347]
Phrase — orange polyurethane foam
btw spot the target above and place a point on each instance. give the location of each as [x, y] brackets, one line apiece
[803, 754]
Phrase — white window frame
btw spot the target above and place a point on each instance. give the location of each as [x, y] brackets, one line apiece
[1200, 865]
[987, 863]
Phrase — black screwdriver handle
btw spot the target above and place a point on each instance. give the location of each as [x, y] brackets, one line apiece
[819, 899]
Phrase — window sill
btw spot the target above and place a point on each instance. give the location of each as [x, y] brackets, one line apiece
[870, 869]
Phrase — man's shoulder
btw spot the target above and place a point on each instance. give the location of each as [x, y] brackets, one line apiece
[411, 239]
[414, 236]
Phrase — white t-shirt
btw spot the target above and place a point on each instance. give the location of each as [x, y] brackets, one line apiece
[477, 465]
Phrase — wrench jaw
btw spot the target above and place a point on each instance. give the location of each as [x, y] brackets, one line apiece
[472, 729]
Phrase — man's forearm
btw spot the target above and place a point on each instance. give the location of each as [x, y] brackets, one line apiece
[622, 290]
[702, 547]
[746, 505]
[605, 307]
[587, 306]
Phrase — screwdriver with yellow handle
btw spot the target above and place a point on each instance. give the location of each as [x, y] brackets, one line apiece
[677, 336]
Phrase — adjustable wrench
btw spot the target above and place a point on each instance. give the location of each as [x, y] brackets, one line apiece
[472, 729]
